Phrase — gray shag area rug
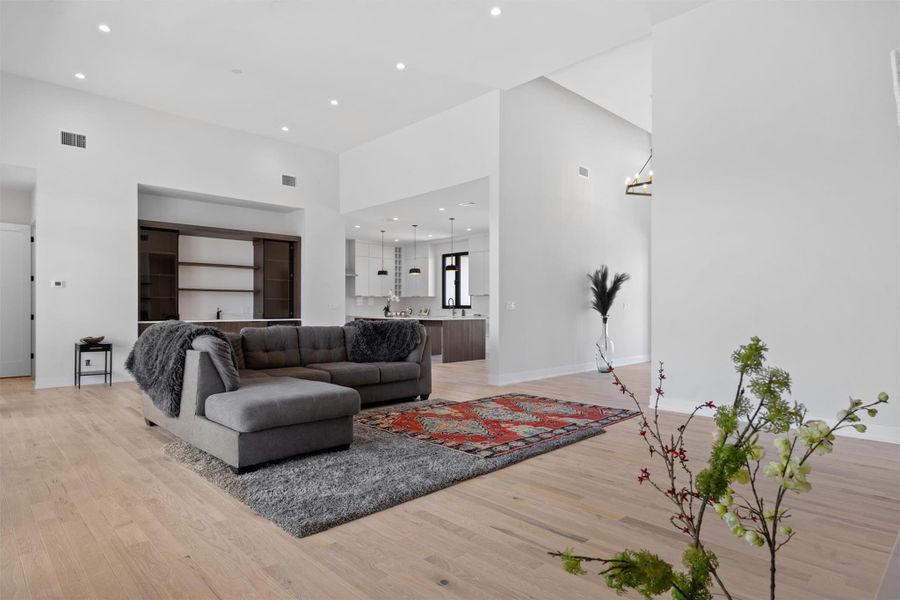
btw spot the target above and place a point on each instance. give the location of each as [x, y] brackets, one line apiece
[312, 493]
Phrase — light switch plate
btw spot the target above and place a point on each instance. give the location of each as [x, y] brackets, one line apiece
[57, 284]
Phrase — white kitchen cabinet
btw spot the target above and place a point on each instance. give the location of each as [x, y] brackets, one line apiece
[363, 272]
[479, 269]
[418, 286]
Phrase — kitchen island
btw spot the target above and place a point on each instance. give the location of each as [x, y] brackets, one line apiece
[454, 338]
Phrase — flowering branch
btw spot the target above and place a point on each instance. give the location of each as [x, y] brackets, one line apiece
[734, 460]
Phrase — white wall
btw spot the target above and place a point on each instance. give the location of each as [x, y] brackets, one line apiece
[557, 226]
[770, 121]
[453, 147]
[456, 146]
[86, 206]
[16, 206]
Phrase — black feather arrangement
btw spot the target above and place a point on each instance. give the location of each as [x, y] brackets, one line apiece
[604, 291]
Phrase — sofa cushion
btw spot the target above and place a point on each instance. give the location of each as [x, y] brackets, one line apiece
[299, 373]
[397, 371]
[271, 347]
[235, 340]
[322, 345]
[350, 374]
[222, 357]
[247, 374]
[278, 402]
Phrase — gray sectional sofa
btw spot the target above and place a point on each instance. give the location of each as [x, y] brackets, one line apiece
[298, 394]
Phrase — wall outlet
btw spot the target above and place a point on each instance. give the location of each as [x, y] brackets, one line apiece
[87, 362]
[510, 305]
[57, 284]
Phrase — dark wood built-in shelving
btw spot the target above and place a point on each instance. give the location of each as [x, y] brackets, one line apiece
[276, 266]
[216, 265]
[213, 290]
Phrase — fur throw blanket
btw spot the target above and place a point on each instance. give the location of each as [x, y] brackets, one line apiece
[157, 361]
[383, 341]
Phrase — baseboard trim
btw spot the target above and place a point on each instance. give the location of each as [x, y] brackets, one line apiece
[520, 376]
[875, 432]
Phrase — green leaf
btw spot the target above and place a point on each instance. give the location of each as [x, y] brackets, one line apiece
[860, 427]
[571, 563]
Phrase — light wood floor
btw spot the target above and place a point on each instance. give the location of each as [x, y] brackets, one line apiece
[91, 508]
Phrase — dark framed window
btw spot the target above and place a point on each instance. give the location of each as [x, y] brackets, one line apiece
[455, 283]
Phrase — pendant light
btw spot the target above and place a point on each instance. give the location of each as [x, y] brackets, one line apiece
[452, 268]
[415, 270]
[640, 187]
[382, 271]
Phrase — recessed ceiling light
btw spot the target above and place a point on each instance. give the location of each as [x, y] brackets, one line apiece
[334, 102]
[441, 209]
[468, 229]
[104, 28]
[401, 66]
[429, 235]
[285, 128]
[395, 218]
[356, 226]
[396, 240]
[496, 12]
[79, 75]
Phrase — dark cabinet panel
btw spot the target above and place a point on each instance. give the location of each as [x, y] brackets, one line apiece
[276, 281]
[157, 274]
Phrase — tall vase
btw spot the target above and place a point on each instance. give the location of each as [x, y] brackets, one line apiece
[605, 348]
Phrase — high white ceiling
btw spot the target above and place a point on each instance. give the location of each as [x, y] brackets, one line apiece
[425, 211]
[296, 56]
[618, 80]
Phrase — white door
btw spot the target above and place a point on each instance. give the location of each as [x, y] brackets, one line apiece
[15, 300]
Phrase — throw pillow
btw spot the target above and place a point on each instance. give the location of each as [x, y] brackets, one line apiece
[237, 346]
[222, 357]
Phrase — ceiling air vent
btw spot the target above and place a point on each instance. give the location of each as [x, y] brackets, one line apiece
[289, 180]
[67, 138]
[583, 172]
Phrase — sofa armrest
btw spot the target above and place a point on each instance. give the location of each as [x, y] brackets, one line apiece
[201, 380]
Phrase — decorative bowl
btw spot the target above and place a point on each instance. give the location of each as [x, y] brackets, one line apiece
[92, 340]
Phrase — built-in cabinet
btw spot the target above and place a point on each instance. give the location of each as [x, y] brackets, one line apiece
[364, 261]
[367, 261]
[157, 274]
[479, 266]
[276, 271]
[418, 286]
[273, 279]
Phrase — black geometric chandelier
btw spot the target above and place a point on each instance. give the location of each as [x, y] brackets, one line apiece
[639, 185]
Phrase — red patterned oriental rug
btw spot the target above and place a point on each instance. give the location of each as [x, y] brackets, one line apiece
[498, 426]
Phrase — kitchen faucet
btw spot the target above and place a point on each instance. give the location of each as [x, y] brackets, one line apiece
[452, 304]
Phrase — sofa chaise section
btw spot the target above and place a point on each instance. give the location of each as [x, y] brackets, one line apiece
[266, 419]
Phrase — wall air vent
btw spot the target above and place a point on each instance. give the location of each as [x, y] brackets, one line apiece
[583, 172]
[67, 138]
[289, 180]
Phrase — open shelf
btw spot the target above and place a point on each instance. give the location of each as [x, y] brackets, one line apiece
[213, 290]
[215, 265]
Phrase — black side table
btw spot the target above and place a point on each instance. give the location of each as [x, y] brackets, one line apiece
[106, 349]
